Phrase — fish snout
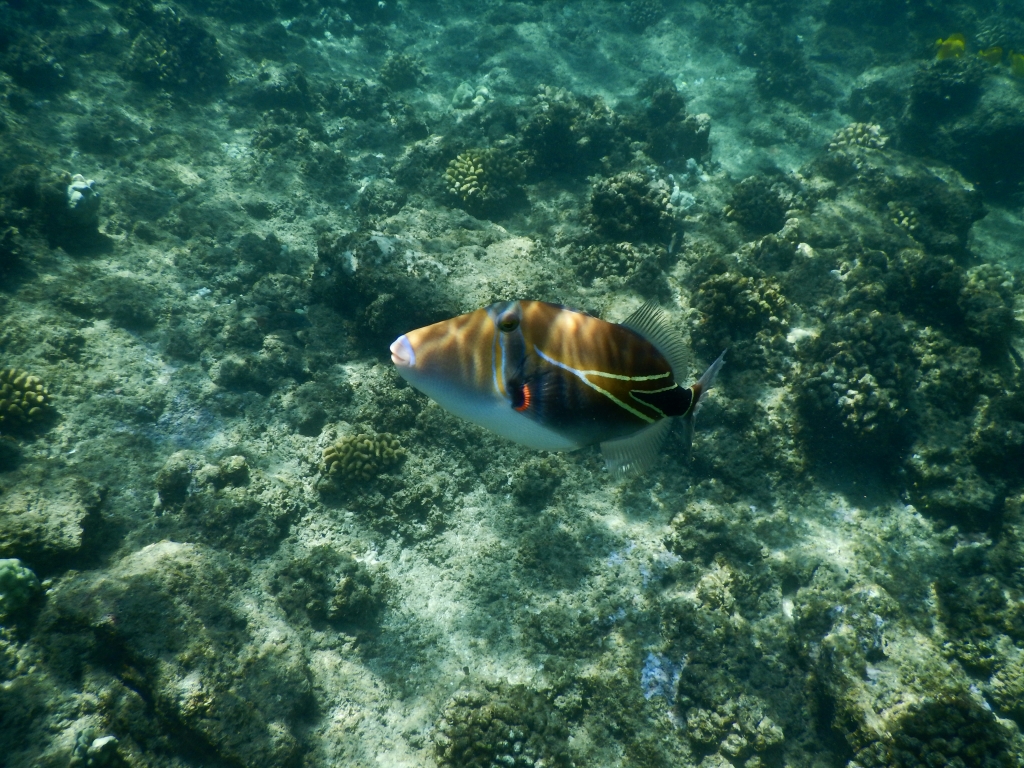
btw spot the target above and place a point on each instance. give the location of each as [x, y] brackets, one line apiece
[402, 354]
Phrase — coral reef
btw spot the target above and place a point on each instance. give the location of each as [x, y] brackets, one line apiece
[858, 135]
[632, 206]
[639, 265]
[759, 205]
[170, 608]
[986, 300]
[361, 457]
[215, 216]
[748, 314]
[401, 71]
[24, 400]
[325, 585]
[643, 13]
[501, 725]
[18, 585]
[171, 50]
[569, 135]
[858, 383]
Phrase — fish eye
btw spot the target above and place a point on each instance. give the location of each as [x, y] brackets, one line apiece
[508, 324]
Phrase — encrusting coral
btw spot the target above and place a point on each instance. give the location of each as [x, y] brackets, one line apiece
[24, 399]
[362, 457]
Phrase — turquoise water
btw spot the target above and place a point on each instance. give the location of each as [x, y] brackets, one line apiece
[231, 534]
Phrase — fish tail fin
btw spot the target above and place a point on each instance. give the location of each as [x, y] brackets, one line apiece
[700, 389]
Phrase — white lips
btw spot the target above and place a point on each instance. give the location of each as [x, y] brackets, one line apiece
[402, 353]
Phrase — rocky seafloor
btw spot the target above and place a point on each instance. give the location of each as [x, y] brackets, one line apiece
[230, 535]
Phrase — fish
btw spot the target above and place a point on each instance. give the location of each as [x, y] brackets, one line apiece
[993, 55]
[1016, 64]
[552, 378]
[951, 48]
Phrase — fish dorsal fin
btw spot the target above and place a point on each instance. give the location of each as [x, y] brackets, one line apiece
[636, 453]
[653, 323]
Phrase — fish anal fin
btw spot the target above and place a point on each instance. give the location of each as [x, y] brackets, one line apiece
[636, 453]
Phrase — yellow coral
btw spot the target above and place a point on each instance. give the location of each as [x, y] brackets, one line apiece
[24, 399]
[466, 175]
[362, 457]
[866, 135]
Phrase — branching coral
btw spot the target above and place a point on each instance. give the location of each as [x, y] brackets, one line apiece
[858, 135]
[633, 207]
[483, 178]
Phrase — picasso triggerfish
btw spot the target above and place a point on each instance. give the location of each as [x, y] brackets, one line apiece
[554, 379]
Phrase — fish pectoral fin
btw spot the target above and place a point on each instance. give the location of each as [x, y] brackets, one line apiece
[636, 453]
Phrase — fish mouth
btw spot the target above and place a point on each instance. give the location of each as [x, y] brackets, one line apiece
[402, 354]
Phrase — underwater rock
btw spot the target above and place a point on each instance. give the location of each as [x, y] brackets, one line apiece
[278, 87]
[94, 751]
[944, 484]
[31, 63]
[61, 207]
[83, 198]
[643, 13]
[952, 729]
[942, 90]
[200, 651]
[44, 519]
[980, 138]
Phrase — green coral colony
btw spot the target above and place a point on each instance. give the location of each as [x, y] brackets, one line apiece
[17, 586]
[362, 457]
[24, 399]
